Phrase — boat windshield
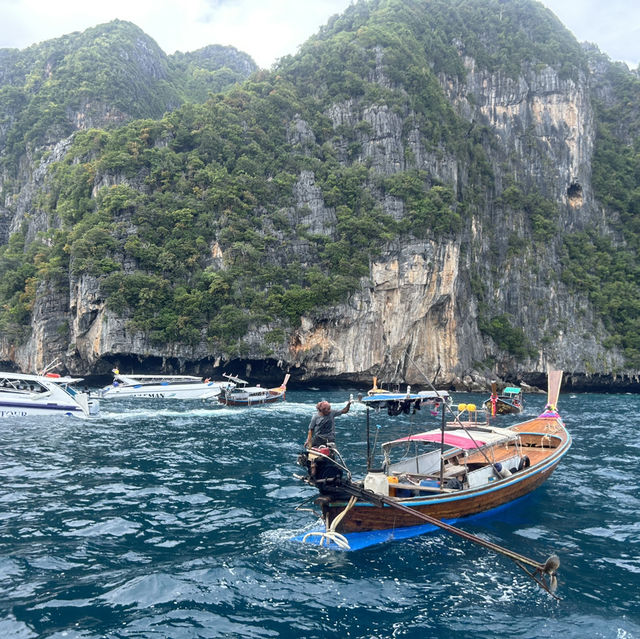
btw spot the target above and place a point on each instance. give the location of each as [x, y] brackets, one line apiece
[18, 385]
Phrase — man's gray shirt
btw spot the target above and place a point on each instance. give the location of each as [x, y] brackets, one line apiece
[323, 428]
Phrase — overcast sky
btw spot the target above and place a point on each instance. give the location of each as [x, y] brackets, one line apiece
[270, 29]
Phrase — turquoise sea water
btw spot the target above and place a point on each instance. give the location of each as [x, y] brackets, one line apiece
[160, 520]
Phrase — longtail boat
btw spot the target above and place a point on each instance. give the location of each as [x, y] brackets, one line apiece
[242, 395]
[464, 467]
[508, 402]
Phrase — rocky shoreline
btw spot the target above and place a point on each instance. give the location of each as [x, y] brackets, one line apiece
[533, 382]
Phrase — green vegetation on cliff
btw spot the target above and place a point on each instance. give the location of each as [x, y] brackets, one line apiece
[607, 267]
[189, 217]
[105, 75]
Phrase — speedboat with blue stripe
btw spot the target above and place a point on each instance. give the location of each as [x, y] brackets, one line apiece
[22, 395]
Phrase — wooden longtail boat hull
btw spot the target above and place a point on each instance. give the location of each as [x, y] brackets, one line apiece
[252, 401]
[545, 442]
[504, 407]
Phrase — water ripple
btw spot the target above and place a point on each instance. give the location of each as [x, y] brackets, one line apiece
[175, 520]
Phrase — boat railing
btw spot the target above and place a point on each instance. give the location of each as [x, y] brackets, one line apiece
[470, 415]
[234, 379]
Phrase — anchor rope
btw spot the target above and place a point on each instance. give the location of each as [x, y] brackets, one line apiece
[330, 534]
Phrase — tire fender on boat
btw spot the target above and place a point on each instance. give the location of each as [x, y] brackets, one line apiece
[525, 462]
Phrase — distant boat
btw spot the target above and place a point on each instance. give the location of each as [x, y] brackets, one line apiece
[48, 394]
[508, 402]
[396, 402]
[375, 389]
[161, 387]
[243, 395]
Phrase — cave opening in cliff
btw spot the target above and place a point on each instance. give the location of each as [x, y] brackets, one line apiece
[574, 193]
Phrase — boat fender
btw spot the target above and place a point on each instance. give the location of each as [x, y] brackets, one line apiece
[501, 471]
[525, 462]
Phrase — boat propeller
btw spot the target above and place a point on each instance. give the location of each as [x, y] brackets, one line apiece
[547, 570]
[550, 569]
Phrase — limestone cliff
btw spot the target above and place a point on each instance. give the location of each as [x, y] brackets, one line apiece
[425, 308]
[417, 315]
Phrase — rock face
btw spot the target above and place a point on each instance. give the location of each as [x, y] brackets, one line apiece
[416, 316]
[548, 121]
[408, 315]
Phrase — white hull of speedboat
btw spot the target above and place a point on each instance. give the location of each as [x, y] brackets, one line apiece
[18, 409]
[162, 392]
[162, 387]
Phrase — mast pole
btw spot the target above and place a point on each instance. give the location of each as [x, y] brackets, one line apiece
[368, 444]
[442, 447]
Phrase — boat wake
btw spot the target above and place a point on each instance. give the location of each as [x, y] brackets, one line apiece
[121, 412]
[149, 413]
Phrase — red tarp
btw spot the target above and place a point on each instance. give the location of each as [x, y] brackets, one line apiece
[452, 440]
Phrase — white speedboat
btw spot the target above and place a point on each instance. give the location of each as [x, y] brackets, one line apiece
[162, 387]
[50, 394]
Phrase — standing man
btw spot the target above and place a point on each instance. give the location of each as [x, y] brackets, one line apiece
[322, 428]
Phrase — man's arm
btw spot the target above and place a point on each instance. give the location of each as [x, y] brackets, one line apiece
[346, 408]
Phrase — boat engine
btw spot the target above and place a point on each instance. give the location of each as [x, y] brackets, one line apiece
[320, 465]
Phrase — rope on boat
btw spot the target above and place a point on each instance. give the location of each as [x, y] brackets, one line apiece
[330, 534]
